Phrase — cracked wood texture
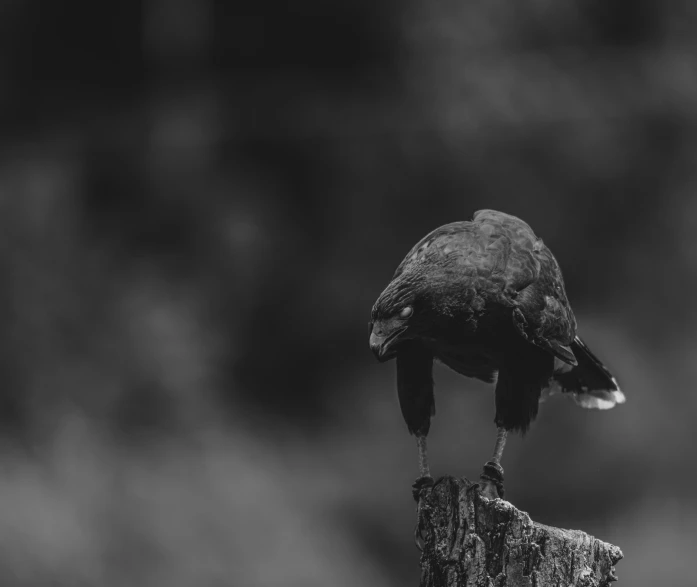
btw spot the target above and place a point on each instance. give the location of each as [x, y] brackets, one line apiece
[472, 541]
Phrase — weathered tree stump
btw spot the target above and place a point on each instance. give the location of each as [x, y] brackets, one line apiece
[472, 541]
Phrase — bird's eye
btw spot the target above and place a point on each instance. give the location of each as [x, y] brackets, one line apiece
[406, 312]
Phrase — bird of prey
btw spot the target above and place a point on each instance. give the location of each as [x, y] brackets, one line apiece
[485, 298]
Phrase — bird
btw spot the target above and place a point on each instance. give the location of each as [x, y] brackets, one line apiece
[486, 298]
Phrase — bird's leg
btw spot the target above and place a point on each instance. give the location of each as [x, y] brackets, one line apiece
[501, 435]
[423, 456]
[425, 478]
[492, 475]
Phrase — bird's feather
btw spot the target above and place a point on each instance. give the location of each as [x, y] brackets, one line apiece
[590, 383]
[415, 387]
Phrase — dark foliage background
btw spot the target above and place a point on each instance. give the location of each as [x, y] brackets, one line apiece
[199, 203]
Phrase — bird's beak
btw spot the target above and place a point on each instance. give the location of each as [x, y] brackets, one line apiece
[383, 340]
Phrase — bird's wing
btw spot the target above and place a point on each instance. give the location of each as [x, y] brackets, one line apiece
[542, 312]
[515, 268]
[534, 286]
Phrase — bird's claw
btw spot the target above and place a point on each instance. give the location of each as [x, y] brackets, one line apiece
[494, 471]
[419, 538]
[492, 481]
[419, 485]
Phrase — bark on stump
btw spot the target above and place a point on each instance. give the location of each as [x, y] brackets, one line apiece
[472, 541]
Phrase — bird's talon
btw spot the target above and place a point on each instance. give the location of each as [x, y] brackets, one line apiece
[419, 539]
[419, 485]
[494, 471]
[492, 481]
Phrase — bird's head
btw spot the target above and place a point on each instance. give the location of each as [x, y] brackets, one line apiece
[404, 311]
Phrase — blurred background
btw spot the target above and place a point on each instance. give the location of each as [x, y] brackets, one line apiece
[199, 203]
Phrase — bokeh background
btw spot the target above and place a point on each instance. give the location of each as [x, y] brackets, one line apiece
[199, 203]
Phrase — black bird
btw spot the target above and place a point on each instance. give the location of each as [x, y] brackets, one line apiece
[487, 299]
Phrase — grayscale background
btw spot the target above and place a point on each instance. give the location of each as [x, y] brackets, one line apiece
[199, 203]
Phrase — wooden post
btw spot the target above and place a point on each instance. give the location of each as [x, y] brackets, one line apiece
[472, 541]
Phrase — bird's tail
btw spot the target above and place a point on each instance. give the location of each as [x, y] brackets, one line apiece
[590, 383]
